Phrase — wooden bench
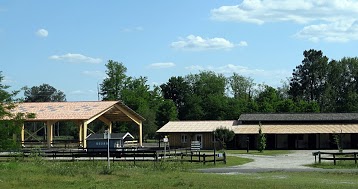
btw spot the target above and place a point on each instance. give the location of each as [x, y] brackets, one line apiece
[335, 156]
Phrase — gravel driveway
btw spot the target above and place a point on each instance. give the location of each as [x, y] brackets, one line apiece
[293, 162]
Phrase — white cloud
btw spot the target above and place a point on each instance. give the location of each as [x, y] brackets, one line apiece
[197, 43]
[135, 29]
[162, 65]
[76, 58]
[97, 74]
[331, 20]
[333, 32]
[243, 44]
[269, 76]
[42, 33]
[82, 92]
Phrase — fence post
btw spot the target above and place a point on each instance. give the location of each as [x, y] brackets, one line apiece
[204, 158]
[224, 154]
[355, 158]
[199, 156]
[334, 159]
[191, 157]
[134, 157]
[319, 157]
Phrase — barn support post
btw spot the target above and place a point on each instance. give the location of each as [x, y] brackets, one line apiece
[80, 134]
[110, 127]
[85, 134]
[49, 132]
[140, 134]
[23, 135]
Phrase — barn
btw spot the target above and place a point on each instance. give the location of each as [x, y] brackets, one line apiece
[283, 131]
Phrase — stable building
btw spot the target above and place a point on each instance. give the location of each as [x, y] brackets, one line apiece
[298, 131]
[283, 131]
[81, 113]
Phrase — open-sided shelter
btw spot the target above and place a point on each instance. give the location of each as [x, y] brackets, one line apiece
[81, 113]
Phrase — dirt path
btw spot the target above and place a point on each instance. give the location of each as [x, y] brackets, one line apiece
[293, 162]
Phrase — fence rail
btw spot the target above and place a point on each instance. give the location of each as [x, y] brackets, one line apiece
[125, 154]
[335, 156]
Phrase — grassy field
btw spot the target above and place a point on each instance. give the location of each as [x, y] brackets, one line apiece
[340, 165]
[38, 174]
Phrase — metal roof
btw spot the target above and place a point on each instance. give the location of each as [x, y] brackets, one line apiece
[296, 129]
[45, 111]
[300, 117]
[195, 126]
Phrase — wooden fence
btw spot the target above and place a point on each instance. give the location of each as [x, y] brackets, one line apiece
[335, 156]
[128, 154]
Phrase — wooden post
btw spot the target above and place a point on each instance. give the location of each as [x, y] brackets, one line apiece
[49, 128]
[319, 157]
[23, 135]
[110, 127]
[204, 158]
[191, 157]
[334, 159]
[224, 154]
[84, 135]
[134, 157]
[355, 158]
[80, 134]
[140, 135]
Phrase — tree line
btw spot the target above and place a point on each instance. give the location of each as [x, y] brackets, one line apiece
[317, 84]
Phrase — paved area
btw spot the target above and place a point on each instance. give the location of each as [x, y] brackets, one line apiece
[293, 162]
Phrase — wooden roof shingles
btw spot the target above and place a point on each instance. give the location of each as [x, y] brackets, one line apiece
[45, 111]
[195, 126]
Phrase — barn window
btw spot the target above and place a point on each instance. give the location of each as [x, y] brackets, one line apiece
[184, 138]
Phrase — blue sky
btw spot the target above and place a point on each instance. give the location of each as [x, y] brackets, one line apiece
[67, 43]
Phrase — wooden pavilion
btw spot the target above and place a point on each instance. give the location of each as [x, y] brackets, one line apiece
[81, 113]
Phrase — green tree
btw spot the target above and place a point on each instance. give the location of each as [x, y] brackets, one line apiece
[48, 93]
[178, 90]
[44, 93]
[113, 84]
[224, 135]
[207, 100]
[9, 122]
[262, 140]
[240, 86]
[166, 112]
[309, 78]
[268, 99]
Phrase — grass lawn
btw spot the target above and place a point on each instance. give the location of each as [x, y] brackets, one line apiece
[255, 152]
[88, 174]
[339, 165]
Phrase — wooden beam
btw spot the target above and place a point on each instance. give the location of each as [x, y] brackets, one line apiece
[97, 116]
[23, 135]
[140, 135]
[105, 120]
[128, 114]
[49, 127]
[85, 134]
[110, 127]
[80, 133]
